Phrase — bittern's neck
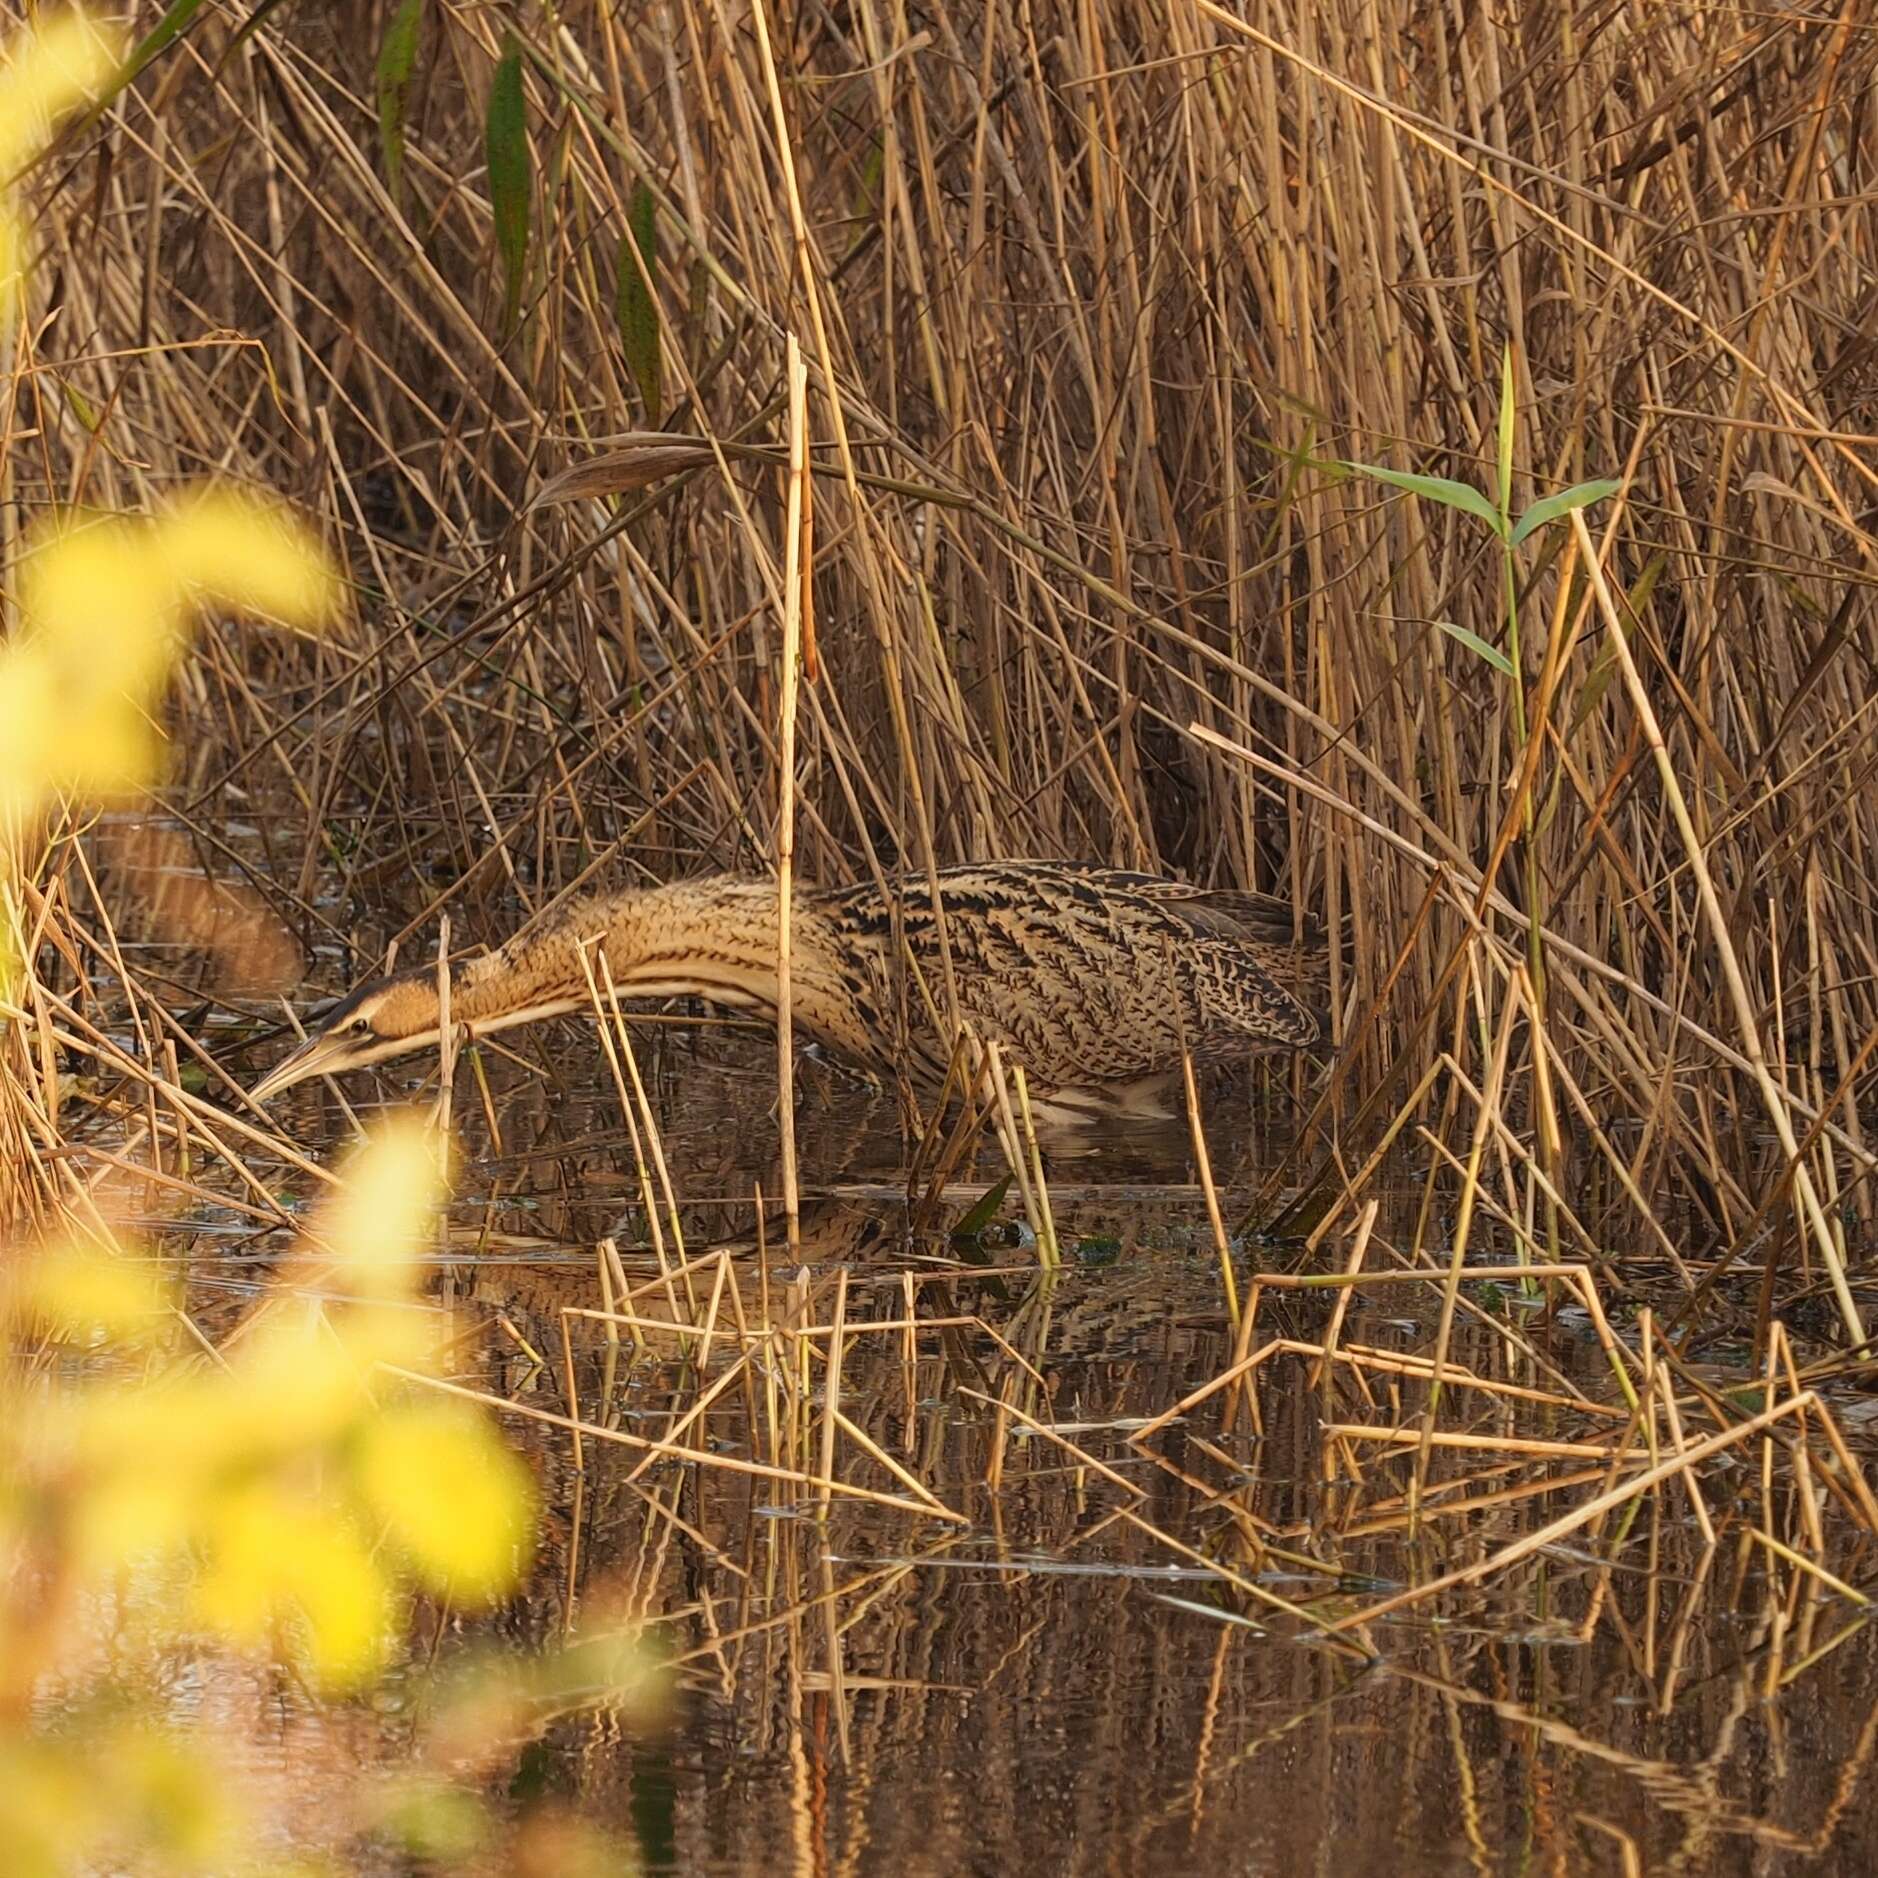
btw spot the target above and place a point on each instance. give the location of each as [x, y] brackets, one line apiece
[714, 939]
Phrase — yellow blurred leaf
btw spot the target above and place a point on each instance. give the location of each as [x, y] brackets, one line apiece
[80, 1294]
[249, 553]
[251, 1541]
[50, 741]
[100, 606]
[99, 615]
[282, 1567]
[173, 1802]
[379, 1226]
[49, 1803]
[174, 1426]
[295, 1384]
[52, 72]
[348, 1608]
[454, 1498]
[133, 1517]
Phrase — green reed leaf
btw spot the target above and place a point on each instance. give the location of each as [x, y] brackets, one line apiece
[397, 59]
[984, 1211]
[635, 304]
[1507, 415]
[1437, 489]
[1550, 508]
[505, 138]
[1478, 646]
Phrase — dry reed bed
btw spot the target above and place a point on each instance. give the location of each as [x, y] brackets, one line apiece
[1082, 303]
[1088, 309]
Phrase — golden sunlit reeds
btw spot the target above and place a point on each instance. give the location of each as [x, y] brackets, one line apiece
[1024, 598]
[1100, 337]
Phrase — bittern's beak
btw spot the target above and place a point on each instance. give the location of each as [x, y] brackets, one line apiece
[317, 1056]
[332, 1053]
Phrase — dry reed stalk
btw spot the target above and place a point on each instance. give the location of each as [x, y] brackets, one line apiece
[670, 1451]
[1359, 1245]
[1249, 1587]
[831, 1387]
[1358, 1358]
[1048, 1253]
[1012, 1140]
[1080, 1455]
[640, 1116]
[611, 1024]
[1494, 1444]
[797, 570]
[1433, 1508]
[572, 1386]
[604, 1263]
[1196, 1131]
[512, 1331]
[446, 1033]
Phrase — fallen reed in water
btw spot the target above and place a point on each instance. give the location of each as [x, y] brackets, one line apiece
[1458, 1423]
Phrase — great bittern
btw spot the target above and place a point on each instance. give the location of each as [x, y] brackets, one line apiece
[1092, 979]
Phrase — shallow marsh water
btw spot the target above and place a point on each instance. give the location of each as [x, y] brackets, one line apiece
[1063, 1681]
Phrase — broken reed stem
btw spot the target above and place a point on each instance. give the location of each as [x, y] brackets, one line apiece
[608, 1297]
[1229, 1283]
[668, 1451]
[1361, 1357]
[1579, 1516]
[1352, 1270]
[795, 590]
[572, 1579]
[654, 1140]
[831, 1387]
[612, 1029]
[1011, 1139]
[1082, 1456]
[1048, 1254]
[1481, 1444]
[1378, 1154]
[1238, 1580]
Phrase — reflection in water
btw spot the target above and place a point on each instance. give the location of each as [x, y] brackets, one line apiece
[1005, 1636]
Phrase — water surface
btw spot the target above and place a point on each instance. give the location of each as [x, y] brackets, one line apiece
[1076, 1678]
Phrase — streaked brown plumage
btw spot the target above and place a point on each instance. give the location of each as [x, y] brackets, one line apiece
[1091, 978]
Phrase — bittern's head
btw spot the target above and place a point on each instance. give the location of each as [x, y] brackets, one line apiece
[384, 1018]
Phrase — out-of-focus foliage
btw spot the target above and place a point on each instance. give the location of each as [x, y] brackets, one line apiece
[67, 61]
[292, 1495]
[289, 1499]
[286, 1496]
[103, 605]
